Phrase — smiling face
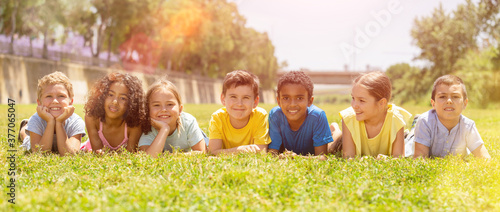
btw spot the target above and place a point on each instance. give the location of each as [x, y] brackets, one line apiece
[163, 106]
[365, 105]
[294, 100]
[239, 102]
[115, 103]
[55, 97]
[449, 102]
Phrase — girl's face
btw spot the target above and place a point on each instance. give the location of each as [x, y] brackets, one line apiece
[116, 102]
[364, 104]
[163, 106]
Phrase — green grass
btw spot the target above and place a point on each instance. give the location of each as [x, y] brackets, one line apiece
[175, 182]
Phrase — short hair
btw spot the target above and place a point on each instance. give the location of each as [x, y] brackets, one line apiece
[156, 86]
[296, 77]
[134, 116]
[377, 84]
[241, 77]
[448, 80]
[52, 79]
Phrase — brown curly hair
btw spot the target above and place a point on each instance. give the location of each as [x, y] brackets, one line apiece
[134, 115]
[162, 83]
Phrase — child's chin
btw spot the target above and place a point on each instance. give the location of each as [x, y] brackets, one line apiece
[55, 115]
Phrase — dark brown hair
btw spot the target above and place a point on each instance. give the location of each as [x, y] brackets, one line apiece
[241, 77]
[298, 78]
[134, 116]
[448, 80]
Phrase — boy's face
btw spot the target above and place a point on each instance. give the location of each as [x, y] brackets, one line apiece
[239, 102]
[294, 100]
[116, 102]
[55, 98]
[449, 102]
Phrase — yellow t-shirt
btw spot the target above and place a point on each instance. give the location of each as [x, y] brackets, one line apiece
[255, 132]
[382, 143]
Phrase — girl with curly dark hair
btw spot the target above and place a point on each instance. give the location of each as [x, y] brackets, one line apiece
[114, 113]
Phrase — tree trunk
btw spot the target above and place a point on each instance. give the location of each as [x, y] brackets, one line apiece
[31, 47]
[110, 39]
[13, 31]
[45, 49]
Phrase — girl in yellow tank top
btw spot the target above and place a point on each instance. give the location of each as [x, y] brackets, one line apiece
[372, 126]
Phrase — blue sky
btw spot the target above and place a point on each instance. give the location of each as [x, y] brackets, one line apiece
[330, 34]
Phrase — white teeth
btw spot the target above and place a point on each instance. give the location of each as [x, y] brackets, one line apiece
[164, 117]
[55, 108]
[112, 109]
[292, 111]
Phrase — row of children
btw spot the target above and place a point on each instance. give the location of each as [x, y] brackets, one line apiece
[118, 116]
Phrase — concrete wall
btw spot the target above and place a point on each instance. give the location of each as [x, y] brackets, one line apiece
[19, 79]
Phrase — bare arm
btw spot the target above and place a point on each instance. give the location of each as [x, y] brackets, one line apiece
[66, 145]
[215, 148]
[320, 150]
[348, 147]
[133, 138]
[421, 151]
[398, 147]
[43, 142]
[481, 152]
[200, 147]
[92, 125]
[273, 152]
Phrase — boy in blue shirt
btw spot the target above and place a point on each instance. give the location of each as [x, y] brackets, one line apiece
[296, 124]
[443, 130]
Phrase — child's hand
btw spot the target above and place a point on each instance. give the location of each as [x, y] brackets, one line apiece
[44, 113]
[382, 157]
[68, 111]
[99, 152]
[158, 125]
[287, 154]
[249, 148]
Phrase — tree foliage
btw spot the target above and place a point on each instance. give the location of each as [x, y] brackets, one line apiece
[480, 71]
[210, 38]
[409, 83]
[464, 42]
[205, 37]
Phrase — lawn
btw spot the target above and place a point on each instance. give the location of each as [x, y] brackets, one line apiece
[176, 182]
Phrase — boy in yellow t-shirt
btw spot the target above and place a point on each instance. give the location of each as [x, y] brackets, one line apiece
[240, 126]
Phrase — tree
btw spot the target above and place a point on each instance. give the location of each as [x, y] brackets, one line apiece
[458, 43]
[210, 38]
[11, 19]
[444, 38]
[409, 83]
[481, 74]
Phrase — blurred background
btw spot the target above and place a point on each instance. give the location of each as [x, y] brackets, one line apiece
[196, 42]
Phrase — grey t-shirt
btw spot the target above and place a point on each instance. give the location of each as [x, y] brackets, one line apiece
[183, 138]
[74, 125]
[430, 132]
